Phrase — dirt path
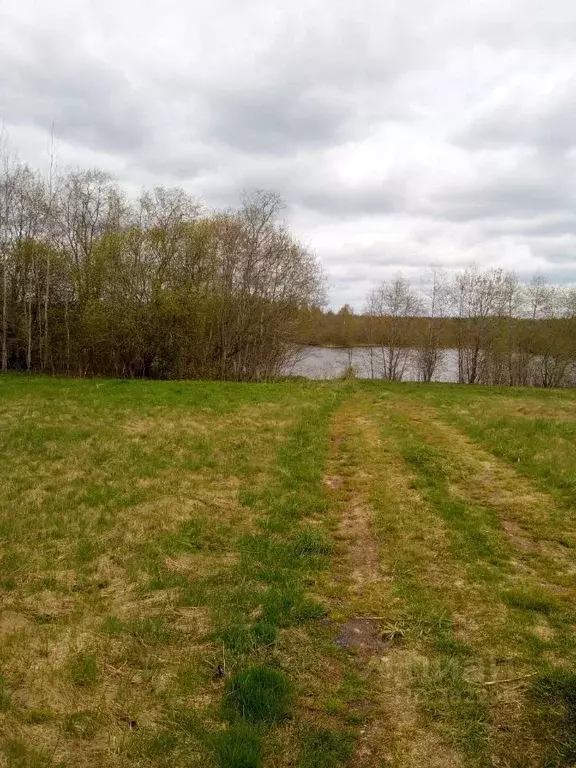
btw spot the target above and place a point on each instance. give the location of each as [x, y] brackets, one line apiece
[508, 582]
[453, 589]
[394, 734]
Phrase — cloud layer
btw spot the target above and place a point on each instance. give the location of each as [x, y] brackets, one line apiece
[400, 134]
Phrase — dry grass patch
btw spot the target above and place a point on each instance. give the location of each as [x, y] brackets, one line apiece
[123, 518]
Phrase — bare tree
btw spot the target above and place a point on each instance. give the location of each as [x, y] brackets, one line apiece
[346, 336]
[430, 352]
[478, 298]
[550, 345]
[5, 211]
[392, 304]
[513, 308]
[49, 233]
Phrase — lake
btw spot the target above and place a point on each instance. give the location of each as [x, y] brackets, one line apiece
[332, 362]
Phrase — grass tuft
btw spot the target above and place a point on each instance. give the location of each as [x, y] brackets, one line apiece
[5, 698]
[21, 755]
[84, 669]
[554, 715]
[161, 744]
[36, 716]
[259, 694]
[308, 541]
[289, 606]
[238, 747]
[453, 702]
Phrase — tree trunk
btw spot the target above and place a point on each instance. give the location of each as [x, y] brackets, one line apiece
[5, 315]
[47, 355]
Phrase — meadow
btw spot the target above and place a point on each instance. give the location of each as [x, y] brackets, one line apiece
[307, 574]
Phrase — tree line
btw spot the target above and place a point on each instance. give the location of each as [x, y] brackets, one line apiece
[504, 332]
[96, 283]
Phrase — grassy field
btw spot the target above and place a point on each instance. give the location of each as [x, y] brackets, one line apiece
[311, 575]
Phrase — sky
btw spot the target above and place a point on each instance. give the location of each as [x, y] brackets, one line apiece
[401, 133]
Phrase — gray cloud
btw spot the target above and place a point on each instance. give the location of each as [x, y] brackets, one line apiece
[536, 112]
[49, 81]
[272, 120]
[352, 200]
[400, 135]
[545, 225]
[512, 194]
[560, 250]
[307, 87]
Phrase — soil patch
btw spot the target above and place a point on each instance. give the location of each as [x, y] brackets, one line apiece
[514, 533]
[365, 637]
[334, 482]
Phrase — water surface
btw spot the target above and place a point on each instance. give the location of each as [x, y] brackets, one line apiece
[332, 362]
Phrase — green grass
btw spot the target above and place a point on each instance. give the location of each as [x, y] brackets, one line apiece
[553, 695]
[322, 748]
[84, 669]
[239, 746]
[177, 561]
[259, 694]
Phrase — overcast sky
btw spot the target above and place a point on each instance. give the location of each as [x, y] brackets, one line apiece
[400, 132]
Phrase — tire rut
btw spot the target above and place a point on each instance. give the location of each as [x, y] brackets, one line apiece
[394, 733]
[531, 520]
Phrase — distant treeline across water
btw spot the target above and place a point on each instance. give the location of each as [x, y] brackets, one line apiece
[477, 326]
[319, 363]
